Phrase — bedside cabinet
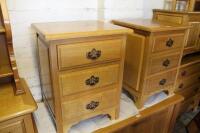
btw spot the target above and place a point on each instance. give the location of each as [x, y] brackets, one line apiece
[81, 69]
[153, 55]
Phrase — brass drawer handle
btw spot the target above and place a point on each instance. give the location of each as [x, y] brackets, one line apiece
[163, 82]
[94, 54]
[92, 81]
[166, 63]
[92, 105]
[184, 73]
[170, 43]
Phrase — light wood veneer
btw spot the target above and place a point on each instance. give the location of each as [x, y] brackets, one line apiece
[81, 69]
[153, 56]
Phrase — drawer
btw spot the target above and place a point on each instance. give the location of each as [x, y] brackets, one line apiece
[79, 81]
[187, 105]
[188, 71]
[190, 92]
[167, 42]
[166, 62]
[12, 127]
[89, 104]
[72, 55]
[187, 82]
[163, 81]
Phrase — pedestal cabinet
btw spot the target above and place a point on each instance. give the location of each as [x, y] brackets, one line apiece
[188, 81]
[81, 69]
[153, 56]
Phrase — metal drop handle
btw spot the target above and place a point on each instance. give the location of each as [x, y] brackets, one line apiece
[93, 54]
[166, 63]
[170, 43]
[163, 82]
[92, 105]
[92, 81]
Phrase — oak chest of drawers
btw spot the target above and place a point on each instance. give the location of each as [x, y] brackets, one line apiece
[81, 69]
[188, 82]
[153, 55]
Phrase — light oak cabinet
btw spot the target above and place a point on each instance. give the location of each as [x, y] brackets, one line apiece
[188, 81]
[153, 56]
[81, 69]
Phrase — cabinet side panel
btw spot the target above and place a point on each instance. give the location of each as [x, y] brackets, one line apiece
[133, 60]
[45, 75]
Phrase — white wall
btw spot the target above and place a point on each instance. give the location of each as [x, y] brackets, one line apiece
[25, 12]
[152, 4]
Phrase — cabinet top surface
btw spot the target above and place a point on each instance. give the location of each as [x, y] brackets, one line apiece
[177, 12]
[148, 25]
[12, 106]
[74, 29]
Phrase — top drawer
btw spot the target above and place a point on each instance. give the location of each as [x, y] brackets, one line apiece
[167, 42]
[71, 55]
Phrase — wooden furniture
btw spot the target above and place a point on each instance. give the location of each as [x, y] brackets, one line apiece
[8, 67]
[162, 115]
[188, 5]
[153, 55]
[183, 18]
[81, 69]
[16, 111]
[188, 82]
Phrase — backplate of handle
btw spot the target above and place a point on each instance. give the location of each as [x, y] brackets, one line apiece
[93, 54]
[163, 82]
[166, 63]
[92, 81]
[92, 105]
[169, 43]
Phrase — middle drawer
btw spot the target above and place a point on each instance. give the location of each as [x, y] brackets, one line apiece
[79, 81]
[165, 62]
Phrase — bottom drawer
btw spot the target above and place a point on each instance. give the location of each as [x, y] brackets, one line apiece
[192, 99]
[187, 105]
[163, 81]
[90, 104]
[12, 127]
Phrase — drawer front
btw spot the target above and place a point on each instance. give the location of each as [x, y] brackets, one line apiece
[182, 84]
[15, 127]
[187, 105]
[188, 71]
[160, 82]
[190, 92]
[158, 64]
[75, 82]
[89, 104]
[85, 53]
[167, 42]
